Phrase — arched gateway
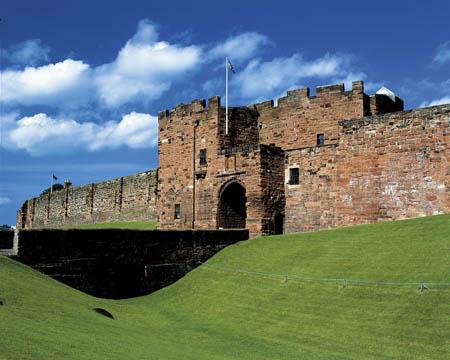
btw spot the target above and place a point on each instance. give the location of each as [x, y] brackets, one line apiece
[232, 206]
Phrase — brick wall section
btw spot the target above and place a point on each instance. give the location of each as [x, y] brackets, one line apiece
[233, 157]
[177, 130]
[79, 204]
[128, 198]
[391, 166]
[243, 128]
[272, 184]
[299, 117]
[120, 263]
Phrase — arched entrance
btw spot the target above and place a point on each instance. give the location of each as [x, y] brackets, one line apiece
[232, 206]
[278, 223]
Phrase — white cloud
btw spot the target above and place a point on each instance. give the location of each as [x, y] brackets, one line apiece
[263, 79]
[441, 101]
[445, 86]
[29, 52]
[144, 68]
[239, 47]
[64, 82]
[135, 130]
[41, 134]
[443, 54]
[4, 200]
[211, 86]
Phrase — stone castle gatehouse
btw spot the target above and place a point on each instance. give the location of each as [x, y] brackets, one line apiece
[310, 162]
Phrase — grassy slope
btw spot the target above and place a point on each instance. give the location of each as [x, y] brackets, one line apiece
[145, 225]
[212, 314]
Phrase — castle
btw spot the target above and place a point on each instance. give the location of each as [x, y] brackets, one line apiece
[310, 162]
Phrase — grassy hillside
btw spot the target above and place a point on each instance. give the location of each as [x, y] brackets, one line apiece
[216, 312]
[144, 225]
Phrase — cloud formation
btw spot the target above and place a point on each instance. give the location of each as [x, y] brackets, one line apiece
[29, 52]
[4, 200]
[144, 68]
[441, 101]
[42, 134]
[260, 79]
[65, 83]
[443, 54]
[239, 48]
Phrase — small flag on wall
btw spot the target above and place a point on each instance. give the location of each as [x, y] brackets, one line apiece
[230, 65]
[54, 177]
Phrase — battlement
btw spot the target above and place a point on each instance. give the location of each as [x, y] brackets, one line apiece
[196, 106]
[214, 103]
[297, 95]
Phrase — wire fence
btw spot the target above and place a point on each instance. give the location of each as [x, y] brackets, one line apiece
[344, 282]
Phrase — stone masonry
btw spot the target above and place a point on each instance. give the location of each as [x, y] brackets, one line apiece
[127, 198]
[312, 162]
[338, 158]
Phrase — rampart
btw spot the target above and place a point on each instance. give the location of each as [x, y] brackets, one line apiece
[127, 198]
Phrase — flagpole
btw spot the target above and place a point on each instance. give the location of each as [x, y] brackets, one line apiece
[226, 95]
[51, 186]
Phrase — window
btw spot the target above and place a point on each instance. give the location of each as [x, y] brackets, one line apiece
[177, 214]
[294, 176]
[320, 139]
[203, 157]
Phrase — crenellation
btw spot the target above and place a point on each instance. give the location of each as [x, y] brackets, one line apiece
[358, 87]
[298, 93]
[214, 102]
[198, 105]
[330, 89]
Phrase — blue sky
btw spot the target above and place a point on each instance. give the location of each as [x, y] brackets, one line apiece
[82, 82]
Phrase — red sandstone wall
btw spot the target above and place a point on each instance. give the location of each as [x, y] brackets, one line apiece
[128, 198]
[185, 131]
[298, 118]
[393, 166]
[176, 157]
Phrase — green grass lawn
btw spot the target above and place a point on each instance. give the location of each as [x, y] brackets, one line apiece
[140, 225]
[220, 314]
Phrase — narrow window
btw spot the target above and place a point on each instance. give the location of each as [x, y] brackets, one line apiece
[294, 176]
[320, 139]
[177, 211]
[203, 157]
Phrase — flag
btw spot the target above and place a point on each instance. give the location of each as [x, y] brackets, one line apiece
[231, 67]
[54, 177]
